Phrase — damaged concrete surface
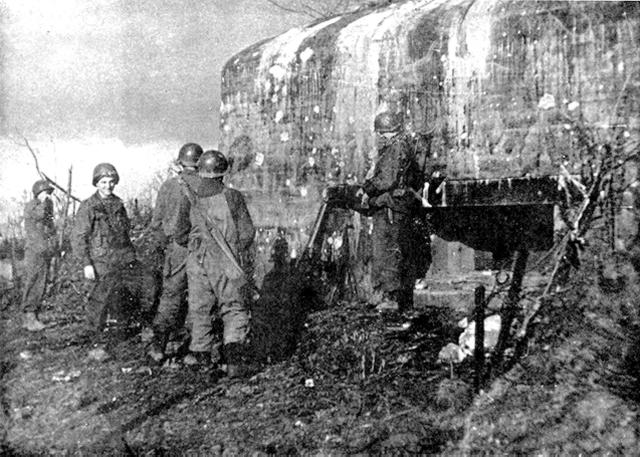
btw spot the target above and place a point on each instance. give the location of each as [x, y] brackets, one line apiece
[481, 76]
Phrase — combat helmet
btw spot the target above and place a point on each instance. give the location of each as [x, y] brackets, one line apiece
[105, 170]
[212, 164]
[387, 122]
[42, 185]
[189, 154]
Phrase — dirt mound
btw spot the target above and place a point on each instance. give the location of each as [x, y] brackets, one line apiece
[356, 382]
[577, 390]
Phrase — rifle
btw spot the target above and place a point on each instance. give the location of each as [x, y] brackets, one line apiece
[342, 196]
[327, 278]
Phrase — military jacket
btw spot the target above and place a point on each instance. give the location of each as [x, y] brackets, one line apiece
[101, 232]
[39, 227]
[170, 221]
[213, 199]
[396, 169]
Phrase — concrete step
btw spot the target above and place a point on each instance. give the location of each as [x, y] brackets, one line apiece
[457, 292]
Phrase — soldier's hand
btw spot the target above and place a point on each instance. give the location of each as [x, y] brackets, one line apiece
[89, 272]
[364, 197]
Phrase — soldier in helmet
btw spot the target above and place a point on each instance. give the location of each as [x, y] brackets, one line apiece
[39, 250]
[398, 238]
[101, 241]
[222, 233]
[171, 226]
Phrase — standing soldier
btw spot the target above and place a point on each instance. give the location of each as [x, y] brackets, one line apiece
[221, 236]
[171, 226]
[39, 250]
[101, 241]
[398, 237]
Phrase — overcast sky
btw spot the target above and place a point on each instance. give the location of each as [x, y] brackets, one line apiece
[138, 69]
[117, 75]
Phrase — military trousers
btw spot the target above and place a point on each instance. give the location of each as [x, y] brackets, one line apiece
[122, 292]
[211, 295]
[400, 250]
[36, 265]
[173, 306]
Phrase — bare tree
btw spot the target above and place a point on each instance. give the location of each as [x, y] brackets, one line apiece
[318, 9]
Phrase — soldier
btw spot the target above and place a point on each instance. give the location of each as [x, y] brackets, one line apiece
[101, 241]
[171, 226]
[221, 235]
[398, 237]
[39, 250]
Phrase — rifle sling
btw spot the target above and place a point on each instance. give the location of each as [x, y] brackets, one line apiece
[211, 229]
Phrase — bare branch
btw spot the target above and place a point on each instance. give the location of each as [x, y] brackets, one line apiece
[43, 175]
[318, 13]
[289, 9]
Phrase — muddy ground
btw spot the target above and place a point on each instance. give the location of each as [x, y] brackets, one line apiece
[358, 383]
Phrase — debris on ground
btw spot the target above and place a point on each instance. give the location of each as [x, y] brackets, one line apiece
[356, 382]
[98, 354]
[62, 376]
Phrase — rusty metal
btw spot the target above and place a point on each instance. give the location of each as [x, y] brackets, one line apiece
[497, 192]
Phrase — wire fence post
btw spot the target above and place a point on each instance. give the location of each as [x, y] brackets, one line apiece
[478, 352]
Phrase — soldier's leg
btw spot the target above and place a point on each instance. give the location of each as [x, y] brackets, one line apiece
[173, 301]
[233, 312]
[386, 261]
[172, 308]
[236, 319]
[139, 286]
[36, 269]
[386, 252]
[202, 302]
[100, 290]
[413, 255]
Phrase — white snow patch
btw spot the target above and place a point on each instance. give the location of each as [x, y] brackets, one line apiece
[277, 71]
[281, 51]
[306, 55]
[360, 47]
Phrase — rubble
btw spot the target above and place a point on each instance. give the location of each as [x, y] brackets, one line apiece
[467, 339]
[63, 376]
[451, 353]
[98, 355]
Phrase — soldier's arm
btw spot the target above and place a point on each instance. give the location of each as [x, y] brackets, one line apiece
[29, 210]
[244, 224]
[155, 226]
[35, 211]
[126, 223]
[81, 234]
[50, 226]
[182, 223]
[386, 172]
[156, 218]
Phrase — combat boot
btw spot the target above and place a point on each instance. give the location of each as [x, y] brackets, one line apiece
[31, 322]
[237, 363]
[155, 352]
[157, 347]
[388, 304]
[405, 301]
[198, 359]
